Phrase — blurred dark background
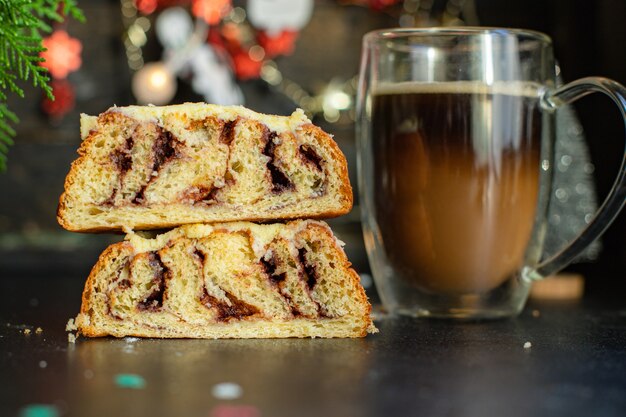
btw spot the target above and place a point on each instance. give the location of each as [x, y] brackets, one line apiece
[589, 38]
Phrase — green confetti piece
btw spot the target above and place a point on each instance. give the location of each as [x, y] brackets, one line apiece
[130, 381]
[39, 410]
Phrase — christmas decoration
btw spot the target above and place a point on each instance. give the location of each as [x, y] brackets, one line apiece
[213, 78]
[212, 11]
[146, 6]
[246, 65]
[219, 47]
[281, 44]
[63, 99]
[62, 54]
[174, 28]
[21, 26]
[274, 16]
[154, 84]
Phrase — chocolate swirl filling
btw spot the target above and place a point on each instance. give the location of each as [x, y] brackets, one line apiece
[235, 311]
[269, 265]
[308, 154]
[310, 272]
[122, 157]
[228, 132]
[164, 149]
[280, 182]
[154, 301]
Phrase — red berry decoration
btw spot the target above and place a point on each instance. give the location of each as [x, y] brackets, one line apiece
[63, 101]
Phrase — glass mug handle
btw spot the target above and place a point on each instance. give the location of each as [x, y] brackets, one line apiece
[608, 211]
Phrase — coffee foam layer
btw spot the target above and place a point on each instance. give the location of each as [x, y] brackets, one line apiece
[513, 88]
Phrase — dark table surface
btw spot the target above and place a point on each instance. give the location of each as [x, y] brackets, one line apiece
[576, 366]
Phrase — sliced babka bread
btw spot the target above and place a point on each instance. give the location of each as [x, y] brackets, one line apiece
[156, 167]
[232, 280]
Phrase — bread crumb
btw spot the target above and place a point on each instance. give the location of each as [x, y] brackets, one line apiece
[38, 330]
[27, 332]
[536, 313]
[71, 325]
[71, 338]
[527, 345]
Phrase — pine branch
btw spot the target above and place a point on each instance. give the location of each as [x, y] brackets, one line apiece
[22, 25]
[7, 82]
[70, 8]
[25, 59]
[7, 133]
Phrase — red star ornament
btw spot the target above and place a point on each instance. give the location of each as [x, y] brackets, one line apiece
[62, 54]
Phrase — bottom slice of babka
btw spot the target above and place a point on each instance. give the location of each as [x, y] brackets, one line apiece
[231, 280]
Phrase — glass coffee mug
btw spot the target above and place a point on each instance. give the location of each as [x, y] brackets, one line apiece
[456, 134]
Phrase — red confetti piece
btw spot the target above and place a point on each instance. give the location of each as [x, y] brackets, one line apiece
[225, 410]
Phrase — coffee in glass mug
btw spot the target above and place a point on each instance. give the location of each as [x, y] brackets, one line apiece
[456, 136]
[450, 187]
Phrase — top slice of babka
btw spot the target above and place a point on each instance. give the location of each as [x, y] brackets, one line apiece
[156, 167]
